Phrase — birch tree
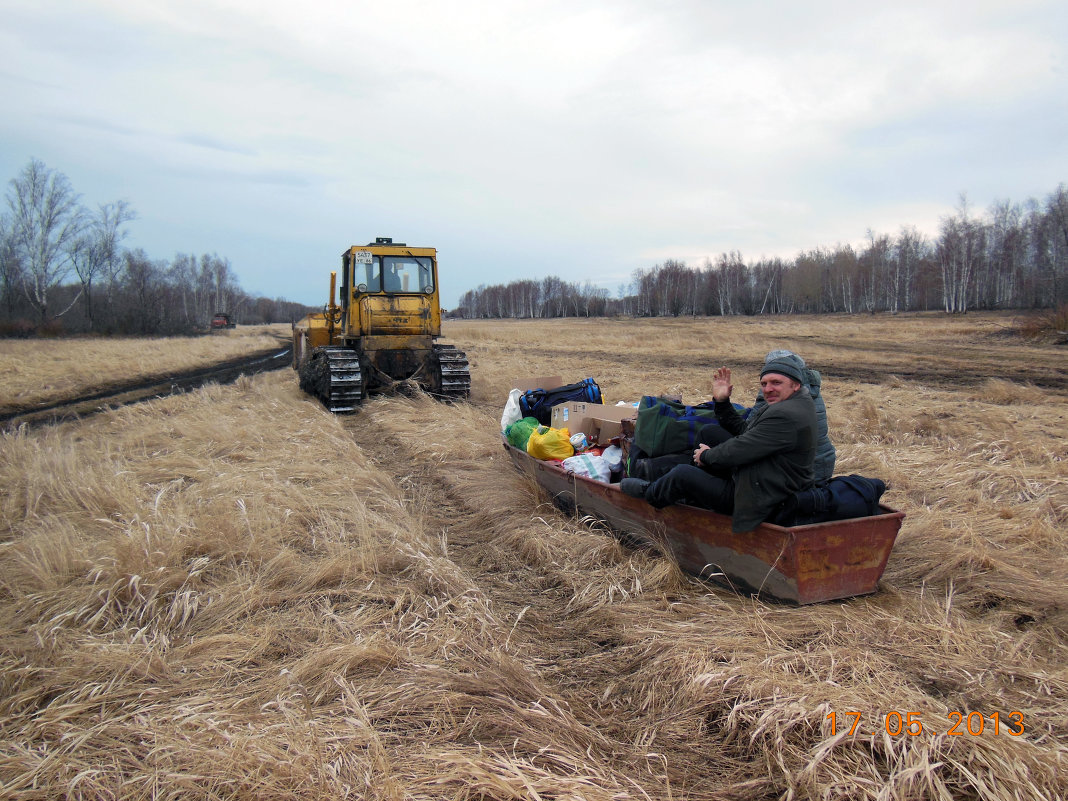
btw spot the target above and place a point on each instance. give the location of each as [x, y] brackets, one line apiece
[46, 219]
[96, 249]
[909, 248]
[877, 258]
[1057, 220]
[959, 251]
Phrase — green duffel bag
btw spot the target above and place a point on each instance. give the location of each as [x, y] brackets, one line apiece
[666, 426]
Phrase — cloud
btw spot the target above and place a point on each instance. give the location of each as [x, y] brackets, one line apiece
[211, 143]
[95, 124]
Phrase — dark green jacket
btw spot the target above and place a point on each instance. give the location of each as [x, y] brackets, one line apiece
[770, 454]
[823, 464]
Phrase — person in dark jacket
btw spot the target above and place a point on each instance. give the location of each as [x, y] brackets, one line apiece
[823, 466]
[767, 458]
[712, 435]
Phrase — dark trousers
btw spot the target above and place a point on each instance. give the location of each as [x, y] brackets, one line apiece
[687, 483]
[657, 466]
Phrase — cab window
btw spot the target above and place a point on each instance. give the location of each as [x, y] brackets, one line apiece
[400, 274]
[407, 274]
[367, 276]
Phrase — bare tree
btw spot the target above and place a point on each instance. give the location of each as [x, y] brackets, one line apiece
[96, 250]
[1002, 276]
[592, 298]
[807, 281]
[10, 265]
[46, 219]
[528, 298]
[553, 296]
[142, 279]
[643, 303]
[908, 250]
[844, 272]
[1057, 221]
[768, 277]
[1014, 256]
[731, 277]
[877, 257]
[959, 250]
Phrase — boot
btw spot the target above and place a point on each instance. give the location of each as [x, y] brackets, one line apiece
[634, 487]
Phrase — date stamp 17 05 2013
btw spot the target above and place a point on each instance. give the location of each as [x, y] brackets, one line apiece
[912, 723]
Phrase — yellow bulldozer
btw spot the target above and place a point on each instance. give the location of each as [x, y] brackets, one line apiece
[383, 331]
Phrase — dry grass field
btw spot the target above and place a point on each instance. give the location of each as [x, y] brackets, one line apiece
[232, 594]
[43, 370]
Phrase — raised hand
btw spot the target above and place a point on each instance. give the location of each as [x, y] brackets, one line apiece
[721, 384]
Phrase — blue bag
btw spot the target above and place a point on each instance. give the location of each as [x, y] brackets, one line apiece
[539, 403]
[841, 498]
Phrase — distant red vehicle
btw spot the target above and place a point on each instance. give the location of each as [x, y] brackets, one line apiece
[222, 320]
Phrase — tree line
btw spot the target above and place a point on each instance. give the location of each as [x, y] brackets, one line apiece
[1013, 256]
[63, 268]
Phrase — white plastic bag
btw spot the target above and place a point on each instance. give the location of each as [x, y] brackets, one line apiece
[588, 465]
[511, 410]
[613, 457]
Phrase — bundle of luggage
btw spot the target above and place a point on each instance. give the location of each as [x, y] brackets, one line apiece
[570, 424]
[540, 421]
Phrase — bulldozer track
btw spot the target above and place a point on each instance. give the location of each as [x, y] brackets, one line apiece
[455, 372]
[333, 376]
[145, 389]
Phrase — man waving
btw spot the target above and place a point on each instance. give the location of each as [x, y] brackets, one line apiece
[766, 459]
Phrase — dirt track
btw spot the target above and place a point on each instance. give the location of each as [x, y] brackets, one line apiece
[510, 582]
[123, 393]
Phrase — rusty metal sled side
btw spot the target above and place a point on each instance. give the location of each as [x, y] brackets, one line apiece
[800, 564]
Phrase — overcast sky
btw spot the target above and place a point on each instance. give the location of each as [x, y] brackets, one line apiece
[525, 139]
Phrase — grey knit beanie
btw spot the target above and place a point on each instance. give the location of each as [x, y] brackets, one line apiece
[789, 355]
[783, 367]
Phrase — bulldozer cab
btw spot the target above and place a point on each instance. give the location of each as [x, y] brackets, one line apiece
[389, 288]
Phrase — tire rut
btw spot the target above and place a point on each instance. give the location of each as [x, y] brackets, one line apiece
[518, 591]
[125, 393]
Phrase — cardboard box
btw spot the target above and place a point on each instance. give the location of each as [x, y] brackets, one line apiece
[601, 430]
[592, 419]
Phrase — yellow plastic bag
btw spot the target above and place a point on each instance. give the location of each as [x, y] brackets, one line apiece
[550, 443]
